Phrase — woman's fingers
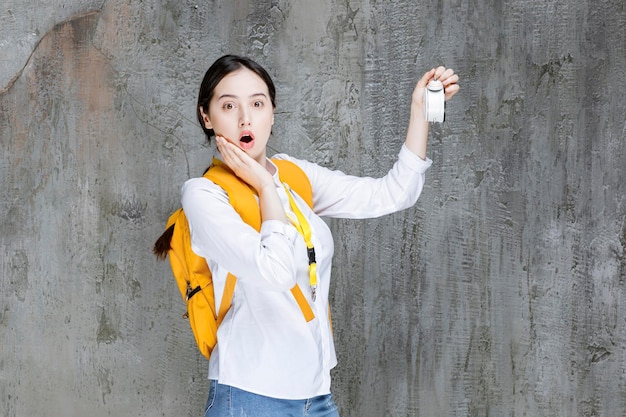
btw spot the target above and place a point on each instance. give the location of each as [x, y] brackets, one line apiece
[447, 77]
[449, 80]
[426, 78]
[442, 73]
[229, 153]
[451, 90]
[244, 166]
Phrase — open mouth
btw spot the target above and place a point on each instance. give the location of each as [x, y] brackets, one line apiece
[246, 140]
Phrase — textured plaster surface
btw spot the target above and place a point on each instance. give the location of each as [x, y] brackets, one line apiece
[500, 293]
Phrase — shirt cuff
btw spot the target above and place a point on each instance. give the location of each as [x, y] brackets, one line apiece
[414, 162]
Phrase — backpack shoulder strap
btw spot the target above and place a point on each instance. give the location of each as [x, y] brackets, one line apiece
[240, 195]
[298, 181]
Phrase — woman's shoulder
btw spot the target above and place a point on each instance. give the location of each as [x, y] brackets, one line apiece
[202, 186]
[305, 165]
[197, 183]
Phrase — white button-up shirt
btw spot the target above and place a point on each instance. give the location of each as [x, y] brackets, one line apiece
[265, 346]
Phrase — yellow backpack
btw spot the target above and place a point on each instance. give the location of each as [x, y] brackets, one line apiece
[191, 271]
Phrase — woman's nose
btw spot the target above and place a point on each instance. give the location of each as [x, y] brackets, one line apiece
[244, 118]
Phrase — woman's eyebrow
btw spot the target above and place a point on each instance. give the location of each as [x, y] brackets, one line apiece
[234, 96]
[227, 96]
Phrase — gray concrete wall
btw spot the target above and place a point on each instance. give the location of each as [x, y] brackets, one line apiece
[501, 293]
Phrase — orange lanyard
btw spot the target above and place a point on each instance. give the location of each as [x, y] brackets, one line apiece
[305, 231]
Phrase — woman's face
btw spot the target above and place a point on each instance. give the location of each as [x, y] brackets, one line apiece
[241, 111]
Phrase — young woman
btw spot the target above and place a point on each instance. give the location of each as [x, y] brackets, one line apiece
[269, 360]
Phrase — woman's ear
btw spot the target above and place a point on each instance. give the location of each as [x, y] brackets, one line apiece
[205, 119]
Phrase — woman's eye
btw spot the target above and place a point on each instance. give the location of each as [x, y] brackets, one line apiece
[258, 103]
[228, 106]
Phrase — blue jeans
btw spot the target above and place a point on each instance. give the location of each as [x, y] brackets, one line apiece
[227, 401]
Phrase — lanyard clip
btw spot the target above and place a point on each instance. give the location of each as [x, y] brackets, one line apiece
[313, 292]
[311, 252]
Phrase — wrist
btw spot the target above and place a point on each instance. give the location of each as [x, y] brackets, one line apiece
[417, 119]
[265, 189]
